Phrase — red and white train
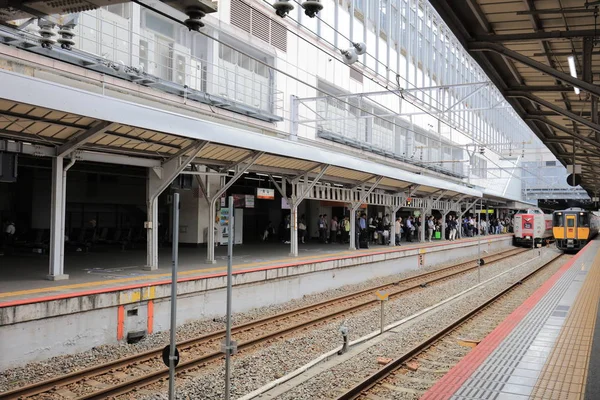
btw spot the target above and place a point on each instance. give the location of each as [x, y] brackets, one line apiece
[532, 225]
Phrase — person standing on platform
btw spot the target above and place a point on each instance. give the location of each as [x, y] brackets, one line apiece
[333, 230]
[398, 230]
[346, 230]
[452, 224]
[7, 238]
[302, 228]
[362, 223]
[409, 229]
[430, 227]
[322, 229]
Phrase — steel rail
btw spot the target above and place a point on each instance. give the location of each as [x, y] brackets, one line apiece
[372, 380]
[77, 376]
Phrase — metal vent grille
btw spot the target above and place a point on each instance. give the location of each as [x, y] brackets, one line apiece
[258, 24]
[261, 26]
[278, 36]
[356, 75]
[240, 15]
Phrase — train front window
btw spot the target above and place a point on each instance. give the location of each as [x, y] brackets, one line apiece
[558, 220]
[584, 220]
[570, 222]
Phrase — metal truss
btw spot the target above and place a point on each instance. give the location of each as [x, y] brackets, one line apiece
[377, 198]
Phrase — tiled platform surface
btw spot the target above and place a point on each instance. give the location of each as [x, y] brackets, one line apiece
[542, 350]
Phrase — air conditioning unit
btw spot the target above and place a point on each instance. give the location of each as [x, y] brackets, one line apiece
[147, 52]
[180, 67]
[197, 75]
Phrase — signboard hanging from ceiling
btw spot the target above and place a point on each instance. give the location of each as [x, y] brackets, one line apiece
[265, 194]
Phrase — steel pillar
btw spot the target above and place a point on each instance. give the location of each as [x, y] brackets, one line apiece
[354, 208]
[294, 201]
[423, 228]
[64, 209]
[240, 168]
[462, 214]
[56, 268]
[159, 179]
[393, 229]
[443, 233]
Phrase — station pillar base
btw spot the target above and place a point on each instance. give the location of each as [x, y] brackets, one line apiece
[60, 277]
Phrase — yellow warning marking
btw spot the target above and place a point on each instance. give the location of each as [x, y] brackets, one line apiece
[382, 295]
[422, 251]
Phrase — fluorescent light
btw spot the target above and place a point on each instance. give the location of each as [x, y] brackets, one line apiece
[571, 60]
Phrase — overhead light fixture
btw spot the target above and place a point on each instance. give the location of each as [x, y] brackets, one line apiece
[573, 71]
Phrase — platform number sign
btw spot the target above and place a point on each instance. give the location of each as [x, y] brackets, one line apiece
[421, 260]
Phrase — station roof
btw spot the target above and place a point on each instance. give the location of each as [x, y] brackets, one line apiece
[524, 47]
[42, 112]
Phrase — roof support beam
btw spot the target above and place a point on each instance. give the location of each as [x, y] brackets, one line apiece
[81, 138]
[588, 76]
[540, 88]
[541, 35]
[497, 48]
[572, 116]
[307, 189]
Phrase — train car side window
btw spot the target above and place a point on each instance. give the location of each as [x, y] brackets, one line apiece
[558, 220]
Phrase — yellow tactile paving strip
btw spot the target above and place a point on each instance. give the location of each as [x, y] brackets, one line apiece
[565, 372]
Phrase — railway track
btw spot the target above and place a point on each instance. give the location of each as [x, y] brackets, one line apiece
[131, 373]
[399, 370]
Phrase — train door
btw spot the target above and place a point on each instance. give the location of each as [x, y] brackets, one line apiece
[571, 226]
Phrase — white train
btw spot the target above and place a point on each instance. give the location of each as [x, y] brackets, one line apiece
[532, 225]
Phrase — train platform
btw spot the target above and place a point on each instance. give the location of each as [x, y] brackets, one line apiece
[23, 277]
[104, 303]
[548, 348]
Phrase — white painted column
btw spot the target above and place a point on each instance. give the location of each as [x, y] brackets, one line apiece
[210, 244]
[56, 268]
[353, 227]
[151, 224]
[422, 228]
[393, 227]
[443, 233]
[294, 229]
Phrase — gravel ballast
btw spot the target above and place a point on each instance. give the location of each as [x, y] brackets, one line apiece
[257, 368]
[56, 366]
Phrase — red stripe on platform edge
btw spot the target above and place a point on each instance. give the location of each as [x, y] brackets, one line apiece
[63, 296]
[456, 377]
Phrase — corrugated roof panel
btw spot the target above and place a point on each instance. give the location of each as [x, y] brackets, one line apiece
[66, 133]
[104, 140]
[56, 115]
[21, 108]
[6, 105]
[51, 130]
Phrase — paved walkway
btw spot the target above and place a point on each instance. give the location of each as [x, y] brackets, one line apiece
[541, 350]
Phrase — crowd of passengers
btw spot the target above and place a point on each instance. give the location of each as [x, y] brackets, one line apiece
[376, 230]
